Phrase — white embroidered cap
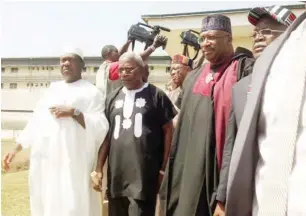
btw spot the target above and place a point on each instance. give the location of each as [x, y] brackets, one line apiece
[75, 51]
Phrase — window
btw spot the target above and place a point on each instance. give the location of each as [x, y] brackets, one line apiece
[49, 68]
[13, 85]
[96, 69]
[2, 70]
[168, 69]
[14, 70]
[2, 85]
[41, 84]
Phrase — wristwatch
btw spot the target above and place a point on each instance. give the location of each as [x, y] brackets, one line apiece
[76, 112]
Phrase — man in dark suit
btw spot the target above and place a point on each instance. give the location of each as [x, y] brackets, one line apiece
[268, 25]
[265, 175]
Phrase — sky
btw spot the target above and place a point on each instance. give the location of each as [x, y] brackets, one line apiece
[41, 29]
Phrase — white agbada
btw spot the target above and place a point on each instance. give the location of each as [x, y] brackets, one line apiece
[63, 153]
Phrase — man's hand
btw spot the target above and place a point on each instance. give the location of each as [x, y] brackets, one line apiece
[96, 179]
[220, 210]
[159, 41]
[61, 111]
[8, 158]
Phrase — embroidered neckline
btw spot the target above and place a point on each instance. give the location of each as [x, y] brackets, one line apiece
[126, 91]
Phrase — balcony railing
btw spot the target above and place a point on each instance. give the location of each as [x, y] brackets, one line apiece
[40, 79]
[9, 79]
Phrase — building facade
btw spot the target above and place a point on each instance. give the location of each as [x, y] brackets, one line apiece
[24, 81]
[179, 22]
[37, 73]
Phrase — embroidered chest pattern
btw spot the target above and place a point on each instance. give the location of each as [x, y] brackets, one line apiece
[126, 123]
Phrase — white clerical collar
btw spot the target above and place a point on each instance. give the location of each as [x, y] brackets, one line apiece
[126, 91]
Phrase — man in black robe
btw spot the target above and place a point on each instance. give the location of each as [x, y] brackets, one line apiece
[191, 176]
[268, 24]
[252, 170]
[138, 143]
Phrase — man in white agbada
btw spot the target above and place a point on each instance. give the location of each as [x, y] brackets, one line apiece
[65, 133]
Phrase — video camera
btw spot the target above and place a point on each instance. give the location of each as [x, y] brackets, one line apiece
[190, 39]
[138, 33]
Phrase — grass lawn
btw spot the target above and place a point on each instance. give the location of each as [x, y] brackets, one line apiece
[14, 187]
[15, 194]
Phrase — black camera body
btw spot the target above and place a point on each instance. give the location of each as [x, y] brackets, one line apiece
[190, 39]
[138, 33]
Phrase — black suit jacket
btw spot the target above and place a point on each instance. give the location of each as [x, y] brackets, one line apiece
[239, 97]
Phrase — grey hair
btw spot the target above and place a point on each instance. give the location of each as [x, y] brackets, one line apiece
[106, 50]
[134, 57]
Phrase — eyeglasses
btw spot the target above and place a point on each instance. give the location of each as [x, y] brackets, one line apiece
[127, 70]
[209, 38]
[265, 32]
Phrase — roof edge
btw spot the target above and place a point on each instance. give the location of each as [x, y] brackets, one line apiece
[43, 57]
[85, 57]
[145, 17]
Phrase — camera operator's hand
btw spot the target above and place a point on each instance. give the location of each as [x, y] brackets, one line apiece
[159, 41]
